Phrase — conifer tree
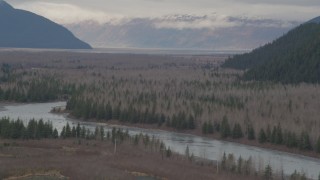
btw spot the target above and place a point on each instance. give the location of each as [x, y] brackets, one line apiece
[262, 136]
[225, 128]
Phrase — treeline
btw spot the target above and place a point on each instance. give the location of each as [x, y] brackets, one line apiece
[38, 129]
[293, 58]
[273, 135]
[15, 129]
[89, 109]
[37, 90]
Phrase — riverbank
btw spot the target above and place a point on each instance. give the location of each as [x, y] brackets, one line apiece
[91, 159]
[215, 136]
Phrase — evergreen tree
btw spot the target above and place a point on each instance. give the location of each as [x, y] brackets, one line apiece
[210, 128]
[239, 165]
[191, 123]
[318, 146]
[102, 134]
[55, 134]
[251, 133]
[305, 141]
[187, 152]
[168, 152]
[274, 135]
[225, 128]
[237, 131]
[63, 132]
[68, 131]
[279, 139]
[268, 172]
[205, 128]
[268, 133]
[78, 130]
[262, 136]
[73, 132]
[224, 162]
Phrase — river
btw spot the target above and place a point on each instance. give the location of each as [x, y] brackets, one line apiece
[199, 146]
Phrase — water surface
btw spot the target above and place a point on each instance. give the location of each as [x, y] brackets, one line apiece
[199, 146]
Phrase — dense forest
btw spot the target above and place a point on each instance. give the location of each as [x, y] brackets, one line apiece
[185, 94]
[293, 58]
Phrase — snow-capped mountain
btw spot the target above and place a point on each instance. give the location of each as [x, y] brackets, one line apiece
[183, 31]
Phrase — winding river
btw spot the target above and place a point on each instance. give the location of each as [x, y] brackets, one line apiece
[199, 146]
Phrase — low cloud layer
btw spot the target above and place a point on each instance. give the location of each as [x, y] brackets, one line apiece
[206, 13]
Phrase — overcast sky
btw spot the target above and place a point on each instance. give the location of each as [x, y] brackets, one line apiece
[72, 11]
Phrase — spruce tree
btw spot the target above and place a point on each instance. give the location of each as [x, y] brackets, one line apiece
[251, 133]
[279, 138]
[262, 136]
[268, 172]
[205, 128]
[225, 128]
[68, 131]
[237, 131]
[318, 146]
[55, 134]
[268, 133]
[78, 130]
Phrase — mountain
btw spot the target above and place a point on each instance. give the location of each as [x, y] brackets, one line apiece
[293, 58]
[182, 31]
[315, 20]
[23, 29]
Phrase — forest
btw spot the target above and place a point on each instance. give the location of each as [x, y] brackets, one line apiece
[189, 94]
[293, 58]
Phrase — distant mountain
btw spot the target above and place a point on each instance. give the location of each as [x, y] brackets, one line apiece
[23, 29]
[293, 58]
[182, 31]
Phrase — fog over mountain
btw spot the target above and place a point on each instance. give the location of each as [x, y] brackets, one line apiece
[182, 31]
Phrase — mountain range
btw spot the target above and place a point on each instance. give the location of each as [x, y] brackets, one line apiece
[23, 29]
[183, 31]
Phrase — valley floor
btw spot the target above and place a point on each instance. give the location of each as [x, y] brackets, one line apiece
[67, 159]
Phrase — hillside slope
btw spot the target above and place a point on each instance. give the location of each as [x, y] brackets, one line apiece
[23, 29]
[293, 58]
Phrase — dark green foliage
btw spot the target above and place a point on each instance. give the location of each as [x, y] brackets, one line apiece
[262, 136]
[204, 128]
[89, 109]
[55, 134]
[268, 133]
[207, 128]
[268, 172]
[237, 131]
[291, 140]
[298, 176]
[44, 89]
[304, 142]
[279, 139]
[68, 131]
[168, 152]
[17, 130]
[251, 133]
[225, 128]
[293, 58]
[318, 146]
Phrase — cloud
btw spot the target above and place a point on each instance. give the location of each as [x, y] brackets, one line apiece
[120, 11]
[68, 13]
[215, 21]
[194, 22]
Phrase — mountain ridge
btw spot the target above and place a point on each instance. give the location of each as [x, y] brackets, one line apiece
[182, 32]
[292, 58]
[24, 29]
